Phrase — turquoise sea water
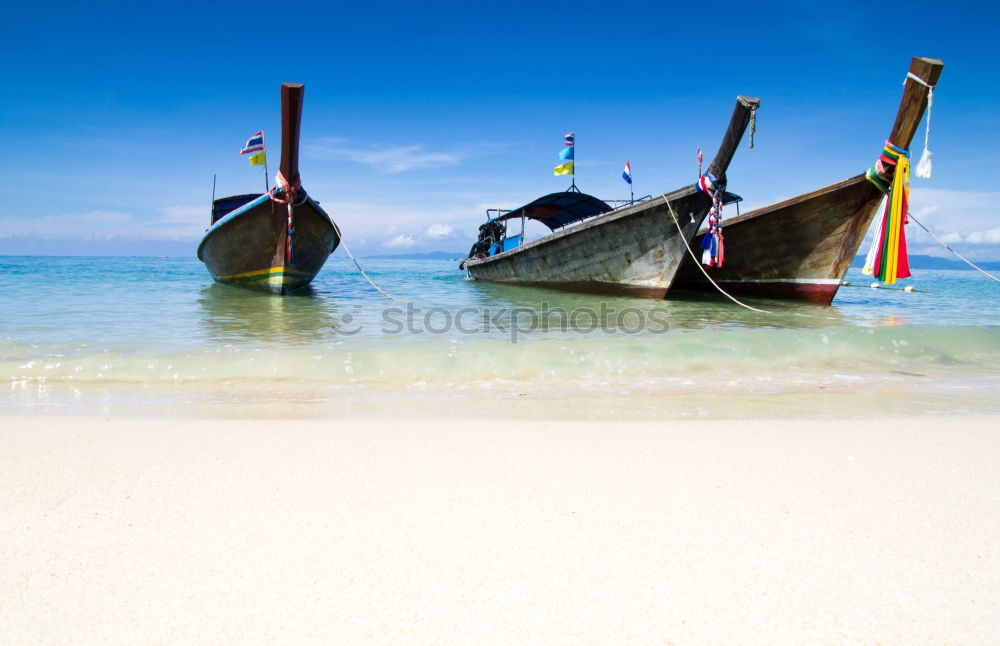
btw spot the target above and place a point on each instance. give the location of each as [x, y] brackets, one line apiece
[157, 336]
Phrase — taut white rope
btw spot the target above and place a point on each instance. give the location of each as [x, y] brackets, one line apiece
[697, 261]
[356, 264]
[943, 244]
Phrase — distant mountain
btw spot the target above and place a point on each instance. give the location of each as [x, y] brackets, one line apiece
[431, 255]
[918, 261]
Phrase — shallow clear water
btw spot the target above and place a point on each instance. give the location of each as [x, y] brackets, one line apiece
[151, 334]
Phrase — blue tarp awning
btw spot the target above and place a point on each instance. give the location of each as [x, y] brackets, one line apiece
[558, 209]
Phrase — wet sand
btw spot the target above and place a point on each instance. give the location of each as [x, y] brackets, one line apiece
[291, 531]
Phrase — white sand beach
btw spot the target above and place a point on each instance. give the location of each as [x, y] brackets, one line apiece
[144, 531]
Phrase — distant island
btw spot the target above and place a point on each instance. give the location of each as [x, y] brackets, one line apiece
[918, 261]
[430, 255]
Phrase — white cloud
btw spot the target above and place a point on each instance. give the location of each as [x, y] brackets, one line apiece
[958, 218]
[436, 233]
[402, 241]
[990, 236]
[394, 159]
[438, 230]
[165, 223]
[370, 226]
[83, 225]
[185, 214]
[948, 210]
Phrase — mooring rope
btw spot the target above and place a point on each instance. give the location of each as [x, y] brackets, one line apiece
[358, 265]
[680, 232]
[945, 245]
[882, 288]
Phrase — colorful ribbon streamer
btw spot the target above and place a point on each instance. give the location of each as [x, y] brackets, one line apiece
[887, 259]
[713, 246]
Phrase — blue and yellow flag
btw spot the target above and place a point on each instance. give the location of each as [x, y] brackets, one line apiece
[566, 156]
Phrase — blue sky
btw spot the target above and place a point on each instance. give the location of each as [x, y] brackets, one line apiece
[419, 116]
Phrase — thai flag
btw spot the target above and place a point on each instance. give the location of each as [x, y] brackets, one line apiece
[627, 175]
[570, 138]
[254, 144]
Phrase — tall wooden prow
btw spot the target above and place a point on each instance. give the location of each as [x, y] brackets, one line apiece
[745, 107]
[914, 101]
[291, 122]
[911, 110]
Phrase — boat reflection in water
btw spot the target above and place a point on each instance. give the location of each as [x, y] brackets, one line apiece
[233, 315]
[596, 314]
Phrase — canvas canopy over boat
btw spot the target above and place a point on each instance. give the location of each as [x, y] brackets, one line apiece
[801, 248]
[276, 241]
[634, 250]
[555, 210]
[558, 210]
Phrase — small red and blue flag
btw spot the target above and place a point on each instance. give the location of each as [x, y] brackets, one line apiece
[254, 144]
[627, 175]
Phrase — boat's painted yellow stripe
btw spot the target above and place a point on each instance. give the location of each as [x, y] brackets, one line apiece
[267, 273]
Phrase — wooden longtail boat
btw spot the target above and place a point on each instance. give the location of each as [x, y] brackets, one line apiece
[276, 241]
[802, 247]
[634, 250]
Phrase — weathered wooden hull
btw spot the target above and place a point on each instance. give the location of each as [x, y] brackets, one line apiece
[633, 251]
[247, 246]
[799, 249]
